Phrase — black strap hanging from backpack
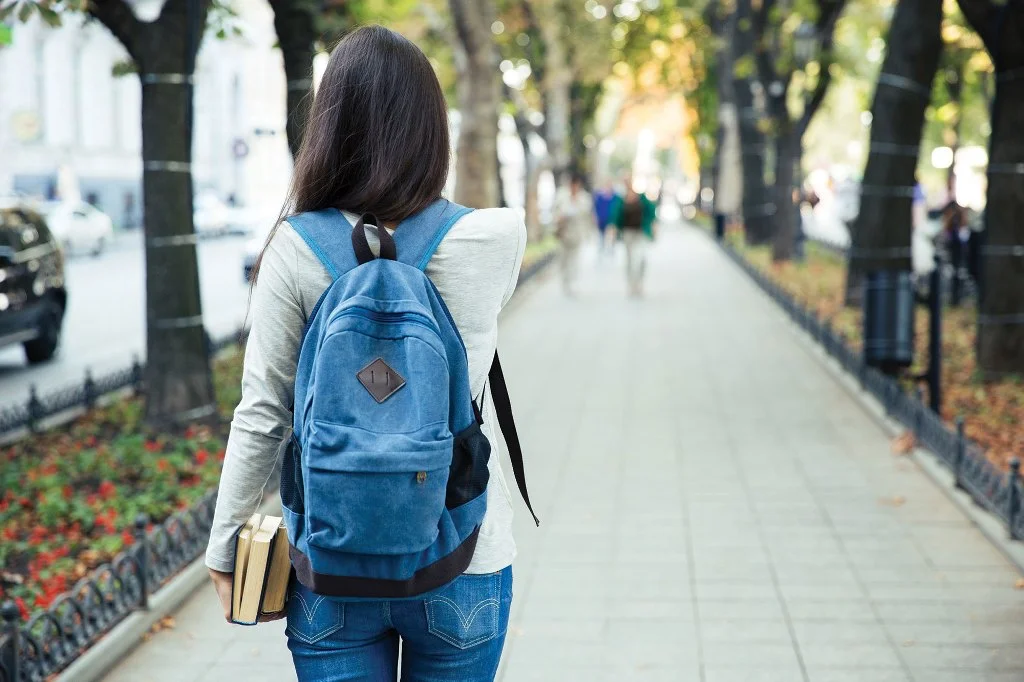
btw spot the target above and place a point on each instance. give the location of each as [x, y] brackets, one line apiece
[503, 408]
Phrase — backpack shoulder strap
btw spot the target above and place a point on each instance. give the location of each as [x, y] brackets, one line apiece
[418, 236]
[503, 408]
[327, 233]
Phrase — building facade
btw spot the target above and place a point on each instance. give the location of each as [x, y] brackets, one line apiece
[70, 128]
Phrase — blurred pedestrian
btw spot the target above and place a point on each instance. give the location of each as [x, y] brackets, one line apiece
[574, 216]
[634, 218]
[604, 200]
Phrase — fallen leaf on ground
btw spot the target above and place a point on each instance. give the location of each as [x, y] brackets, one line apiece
[165, 623]
[903, 444]
[1019, 585]
[895, 501]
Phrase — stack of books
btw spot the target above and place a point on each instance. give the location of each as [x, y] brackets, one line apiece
[262, 569]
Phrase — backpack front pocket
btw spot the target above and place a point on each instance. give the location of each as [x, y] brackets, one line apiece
[379, 494]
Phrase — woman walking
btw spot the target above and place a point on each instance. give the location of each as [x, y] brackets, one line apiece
[634, 218]
[377, 143]
[575, 216]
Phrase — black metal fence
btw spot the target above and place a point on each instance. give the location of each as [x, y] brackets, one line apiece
[36, 409]
[51, 639]
[998, 492]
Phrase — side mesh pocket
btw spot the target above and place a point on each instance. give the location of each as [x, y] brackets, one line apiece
[292, 494]
[469, 474]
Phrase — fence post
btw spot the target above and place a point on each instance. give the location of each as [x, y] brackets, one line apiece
[90, 389]
[12, 628]
[35, 408]
[935, 338]
[142, 542]
[1013, 499]
[136, 375]
[961, 450]
[918, 413]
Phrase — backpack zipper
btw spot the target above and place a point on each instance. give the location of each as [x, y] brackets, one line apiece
[390, 318]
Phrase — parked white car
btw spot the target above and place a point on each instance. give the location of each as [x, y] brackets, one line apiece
[211, 216]
[78, 226]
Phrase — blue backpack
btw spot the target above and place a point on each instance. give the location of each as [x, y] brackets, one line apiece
[384, 481]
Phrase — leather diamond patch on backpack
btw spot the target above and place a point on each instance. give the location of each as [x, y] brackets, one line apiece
[380, 380]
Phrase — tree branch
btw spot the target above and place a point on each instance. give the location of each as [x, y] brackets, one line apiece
[764, 55]
[980, 15]
[826, 30]
[119, 19]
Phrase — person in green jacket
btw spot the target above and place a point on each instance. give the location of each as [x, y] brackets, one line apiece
[633, 216]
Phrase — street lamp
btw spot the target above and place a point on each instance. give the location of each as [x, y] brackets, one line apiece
[805, 44]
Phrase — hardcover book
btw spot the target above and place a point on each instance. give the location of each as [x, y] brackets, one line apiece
[262, 569]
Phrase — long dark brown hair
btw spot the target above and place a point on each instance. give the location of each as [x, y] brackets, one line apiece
[376, 140]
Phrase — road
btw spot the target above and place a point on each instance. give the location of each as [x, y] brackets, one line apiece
[105, 322]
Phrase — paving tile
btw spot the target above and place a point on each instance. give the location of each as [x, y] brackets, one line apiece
[743, 632]
[739, 610]
[847, 609]
[812, 633]
[1004, 658]
[818, 655]
[861, 675]
[751, 655]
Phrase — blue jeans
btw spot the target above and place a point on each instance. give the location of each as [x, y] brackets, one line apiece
[454, 634]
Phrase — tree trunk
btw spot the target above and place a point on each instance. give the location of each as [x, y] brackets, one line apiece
[881, 236]
[758, 209]
[787, 155]
[584, 98]
[728, 169]
[476, 176]
[1000, 338]
[295, 25]
[531, 180]
[557, 88]
[179, 387]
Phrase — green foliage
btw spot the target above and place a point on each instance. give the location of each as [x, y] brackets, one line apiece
[124, 67]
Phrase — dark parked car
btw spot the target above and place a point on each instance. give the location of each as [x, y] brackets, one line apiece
[32, 293]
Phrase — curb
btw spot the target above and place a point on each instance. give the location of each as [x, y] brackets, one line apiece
[107, 653]
[929, 463]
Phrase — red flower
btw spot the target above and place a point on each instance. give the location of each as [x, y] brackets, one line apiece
[21, 607]
[25, 502]
[220, 455]
[127, 538]
[152, 446]
[91, 441]
[10, 533]
[4, 505]
[201, 457]
[107, 490]
[69, 492]
[163, 465]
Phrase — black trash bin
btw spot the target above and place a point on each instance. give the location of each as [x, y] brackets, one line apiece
[889, 320]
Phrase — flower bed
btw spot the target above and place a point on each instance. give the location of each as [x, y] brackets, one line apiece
[993, 412]
[72, 495]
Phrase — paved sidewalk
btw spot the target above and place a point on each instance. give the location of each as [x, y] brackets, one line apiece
[715, 508]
